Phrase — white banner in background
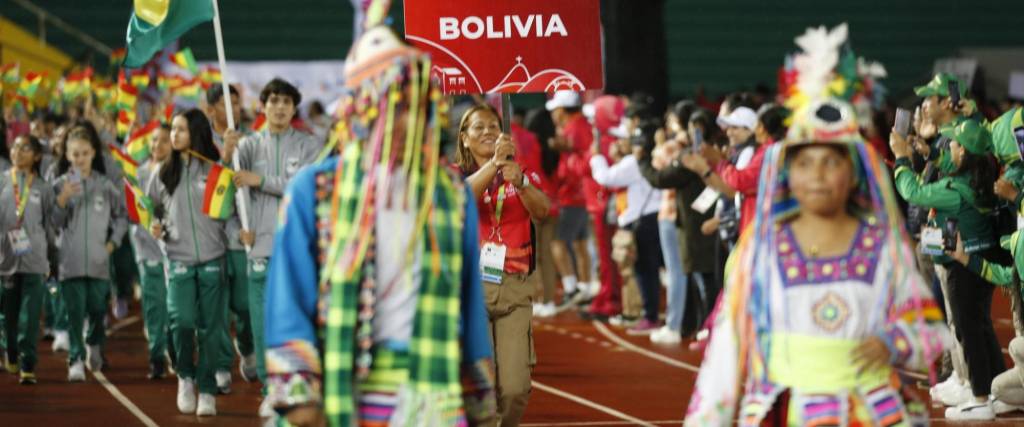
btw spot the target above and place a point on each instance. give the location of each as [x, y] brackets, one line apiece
[316, 80]
[963, 68]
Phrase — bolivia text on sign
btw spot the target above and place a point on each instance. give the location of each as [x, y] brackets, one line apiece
[488, 46]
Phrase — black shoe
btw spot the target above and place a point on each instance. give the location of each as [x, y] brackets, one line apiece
[157, 370]
[587, 315]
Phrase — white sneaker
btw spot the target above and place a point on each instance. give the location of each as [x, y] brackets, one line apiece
[666, 335]
[76, 372]
[94, 358]
[61, 341]
[223, 382]
[955, 396]
[266, 409]
[971, 411]
[953, 381]
[186, 395]
[207, 405]
[1000, 407]
[545, 310]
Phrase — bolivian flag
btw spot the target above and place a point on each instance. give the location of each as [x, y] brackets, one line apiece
[129, 166]
[260, 123]
[156, 23]
[191, 90]
[140, 207]
[77, 85]
[124, 122]
[138, 143]
[140, 81]
[105, 96]
[10, 75]
[209, 76]
[117, 56]
[127, 95]
[185, 59]
[30, 84]
[219, 198]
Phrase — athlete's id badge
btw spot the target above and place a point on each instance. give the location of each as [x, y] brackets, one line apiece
[492, 262]
[931, 241]
[705, 200]
[19, 241]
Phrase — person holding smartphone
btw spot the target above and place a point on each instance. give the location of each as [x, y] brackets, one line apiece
[963, 194]
[509, 199]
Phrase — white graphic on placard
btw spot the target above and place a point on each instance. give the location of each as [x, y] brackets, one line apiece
[460, 78]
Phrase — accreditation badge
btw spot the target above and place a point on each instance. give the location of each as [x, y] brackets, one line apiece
[19, 241]
[492, 262]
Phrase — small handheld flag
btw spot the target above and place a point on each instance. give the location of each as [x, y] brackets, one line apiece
[219, 198]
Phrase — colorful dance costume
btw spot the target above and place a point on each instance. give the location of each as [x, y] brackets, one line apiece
[780, 350]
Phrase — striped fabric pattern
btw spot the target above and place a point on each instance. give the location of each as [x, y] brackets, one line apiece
[434, 348]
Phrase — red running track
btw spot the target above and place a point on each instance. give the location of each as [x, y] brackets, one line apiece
[588, 375]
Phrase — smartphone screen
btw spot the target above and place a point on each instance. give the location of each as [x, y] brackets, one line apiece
[698, 139]
[949, 234]
[902, 125]
[954, 93]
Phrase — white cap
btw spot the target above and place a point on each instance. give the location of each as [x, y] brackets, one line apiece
[740, 117]
[589, 111]
[564, 99]
[622, 131]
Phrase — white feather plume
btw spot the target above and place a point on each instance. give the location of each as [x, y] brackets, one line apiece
[819, 58]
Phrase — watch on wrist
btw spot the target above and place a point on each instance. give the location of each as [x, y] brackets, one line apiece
[707, 174]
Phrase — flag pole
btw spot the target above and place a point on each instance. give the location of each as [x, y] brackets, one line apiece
[242, 201]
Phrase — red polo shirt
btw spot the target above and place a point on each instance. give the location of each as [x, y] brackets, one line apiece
[512, 229]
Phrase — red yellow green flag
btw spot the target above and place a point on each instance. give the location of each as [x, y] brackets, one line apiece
[191, 90]
[140, 80]
[127, 94]
[260, 123]
[138, 143]
[129, 166]
[140, 207]
[105, 96]
[219, 198]
[117, 56]
[30, 84]
[186, 60]
[77, 85]
[124, 122]
[209, 76]
[11, 74]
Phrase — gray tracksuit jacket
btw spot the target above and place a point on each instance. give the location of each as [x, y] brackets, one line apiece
[146, 247]
[192, 238]
[277, 158]
[91, 219]
[41, 213]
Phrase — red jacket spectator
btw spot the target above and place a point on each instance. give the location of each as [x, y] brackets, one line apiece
[745, 181]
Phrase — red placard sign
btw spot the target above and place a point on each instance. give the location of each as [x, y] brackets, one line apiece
[509, 46]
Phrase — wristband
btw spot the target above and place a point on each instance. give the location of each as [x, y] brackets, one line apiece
[707, 174]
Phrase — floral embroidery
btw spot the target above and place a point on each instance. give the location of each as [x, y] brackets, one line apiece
[858, 264]
[831, 312]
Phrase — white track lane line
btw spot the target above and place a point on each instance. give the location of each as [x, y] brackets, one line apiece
[127, 403]
[632, 347]
[590, 404]
[124, 400]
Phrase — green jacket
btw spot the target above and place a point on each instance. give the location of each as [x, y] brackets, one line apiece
[951, 197]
